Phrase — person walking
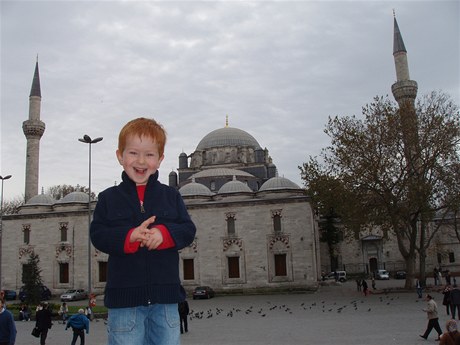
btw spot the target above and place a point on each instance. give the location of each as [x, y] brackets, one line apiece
[365, 287]
[455, 302]
[358, 284]
[419, 288]
[446, 298]
[183, 314]
[433, 320]
[79, 323]
[7, 326]
[43, 321]
[448, 277]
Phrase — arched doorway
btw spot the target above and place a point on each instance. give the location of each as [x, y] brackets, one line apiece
[373, 265]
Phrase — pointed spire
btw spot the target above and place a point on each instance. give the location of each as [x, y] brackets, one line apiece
[226, 120]
[398, 43]
[35, 90]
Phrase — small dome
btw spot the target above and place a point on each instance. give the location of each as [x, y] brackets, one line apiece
[172, 173]
[227, 136]
[234, 186]
[183, 154]
[194, 189]
[75, 197]
[219, 172]
[278, 183]
[41, 199]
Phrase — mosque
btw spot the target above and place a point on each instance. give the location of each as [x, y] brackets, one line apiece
[256, 231]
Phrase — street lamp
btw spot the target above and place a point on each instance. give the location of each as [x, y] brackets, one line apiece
[87, 140]
[1, 225]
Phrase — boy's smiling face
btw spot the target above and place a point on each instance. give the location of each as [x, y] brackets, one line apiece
[140, 158]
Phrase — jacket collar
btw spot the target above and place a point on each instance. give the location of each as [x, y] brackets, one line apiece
[152, 179]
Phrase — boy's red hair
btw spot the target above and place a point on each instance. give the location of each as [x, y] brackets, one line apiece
[143, 127]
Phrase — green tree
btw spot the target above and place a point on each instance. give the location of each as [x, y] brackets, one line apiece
[384, 180]
[31, 277]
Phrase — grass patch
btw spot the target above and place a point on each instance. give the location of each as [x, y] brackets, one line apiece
[54, 307]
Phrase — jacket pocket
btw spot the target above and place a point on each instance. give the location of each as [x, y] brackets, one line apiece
[120, 216]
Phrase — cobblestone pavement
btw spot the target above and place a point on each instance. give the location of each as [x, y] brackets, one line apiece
[336, 314]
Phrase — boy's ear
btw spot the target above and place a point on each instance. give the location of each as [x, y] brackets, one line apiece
[119, 157]
[161, 159]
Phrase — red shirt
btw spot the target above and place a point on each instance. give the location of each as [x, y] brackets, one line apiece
[168, 242]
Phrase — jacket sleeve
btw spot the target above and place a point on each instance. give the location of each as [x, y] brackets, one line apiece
[181, 229]
[110, 227]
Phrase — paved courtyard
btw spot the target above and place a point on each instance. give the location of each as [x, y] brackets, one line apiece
[336, 314]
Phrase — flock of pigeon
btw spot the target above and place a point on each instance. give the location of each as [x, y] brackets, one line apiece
[270, 308]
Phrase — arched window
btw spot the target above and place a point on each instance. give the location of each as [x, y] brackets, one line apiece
[276, 216]
[231, 225]
[63, 228]
[277, 223]
[26, 232]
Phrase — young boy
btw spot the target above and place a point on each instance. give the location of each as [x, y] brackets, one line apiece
[142, 224]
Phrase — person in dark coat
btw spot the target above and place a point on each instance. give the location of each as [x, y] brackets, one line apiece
[183, 314]
[43, 322]
[365, 287]
[7, 325]
[455, 302]
[446, 298]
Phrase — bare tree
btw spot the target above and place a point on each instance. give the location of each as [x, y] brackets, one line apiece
[370, 159]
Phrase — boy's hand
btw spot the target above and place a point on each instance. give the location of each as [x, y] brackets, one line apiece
[154, 239]
[141, 233]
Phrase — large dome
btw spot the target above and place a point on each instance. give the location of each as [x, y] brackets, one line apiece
[227, 136]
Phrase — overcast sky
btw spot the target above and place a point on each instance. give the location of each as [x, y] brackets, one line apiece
[277, 69]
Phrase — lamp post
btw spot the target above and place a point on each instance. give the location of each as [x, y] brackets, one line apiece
[1, 225]
[87, 140]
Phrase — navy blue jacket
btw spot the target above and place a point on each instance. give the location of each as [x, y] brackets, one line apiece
[147, 276]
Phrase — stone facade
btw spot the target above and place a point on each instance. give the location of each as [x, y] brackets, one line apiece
[58, 233]
[256, 246]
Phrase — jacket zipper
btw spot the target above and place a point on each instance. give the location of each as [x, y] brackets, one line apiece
[142, 207]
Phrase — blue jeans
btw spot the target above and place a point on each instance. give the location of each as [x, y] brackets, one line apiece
[156, 324]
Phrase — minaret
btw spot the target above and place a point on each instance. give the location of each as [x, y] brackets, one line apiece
[33, 129]
[404, 90]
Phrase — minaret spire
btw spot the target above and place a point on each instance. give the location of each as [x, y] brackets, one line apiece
[35, 89]
[33, 130]
[404, 89]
